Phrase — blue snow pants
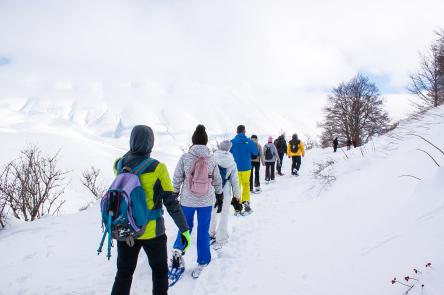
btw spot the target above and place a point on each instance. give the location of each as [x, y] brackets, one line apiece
[203, 235]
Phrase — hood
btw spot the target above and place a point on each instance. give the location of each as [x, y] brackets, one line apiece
[141, 140]
[199, 150]
[294, 137]
[240, 138]
[224, 159]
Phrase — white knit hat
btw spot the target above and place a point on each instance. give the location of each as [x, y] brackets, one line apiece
[225, 145]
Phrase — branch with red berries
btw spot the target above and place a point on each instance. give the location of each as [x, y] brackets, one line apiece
[411, 281]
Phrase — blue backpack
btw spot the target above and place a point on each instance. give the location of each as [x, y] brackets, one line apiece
[223, 175]
[125, 213]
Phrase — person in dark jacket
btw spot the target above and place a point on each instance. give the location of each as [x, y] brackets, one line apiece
[158, 188]
[281, 146]
[349, 143]
[243, 149]
[335, 144]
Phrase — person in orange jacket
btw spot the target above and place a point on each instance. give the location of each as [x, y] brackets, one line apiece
[295, 151]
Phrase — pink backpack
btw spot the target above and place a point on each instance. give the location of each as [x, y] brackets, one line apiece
[199, 178]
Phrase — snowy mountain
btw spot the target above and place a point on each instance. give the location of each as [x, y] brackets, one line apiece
[353, 236]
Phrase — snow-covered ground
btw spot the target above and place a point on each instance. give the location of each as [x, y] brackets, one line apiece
[351, 237]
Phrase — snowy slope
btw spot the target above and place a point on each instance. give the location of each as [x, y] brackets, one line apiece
[349, 238]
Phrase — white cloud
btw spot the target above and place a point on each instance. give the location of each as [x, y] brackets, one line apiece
[290, 51]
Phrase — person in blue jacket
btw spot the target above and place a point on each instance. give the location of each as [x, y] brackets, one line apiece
[243, 149]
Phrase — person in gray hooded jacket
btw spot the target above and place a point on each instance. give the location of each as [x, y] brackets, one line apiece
[271, 156]
[201, 204]
[256, 167]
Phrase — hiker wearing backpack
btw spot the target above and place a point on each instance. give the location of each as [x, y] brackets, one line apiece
[281, 146]
[271, 156]
[198, 182]
[152, 188]
[295, 151]
[230, 183]
[256, 167]
[243, 149]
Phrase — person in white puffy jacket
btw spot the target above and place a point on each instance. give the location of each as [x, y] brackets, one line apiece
[225, 160]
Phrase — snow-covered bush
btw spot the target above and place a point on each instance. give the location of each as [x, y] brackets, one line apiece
[323, 172]
[91, 180]
[32, 184]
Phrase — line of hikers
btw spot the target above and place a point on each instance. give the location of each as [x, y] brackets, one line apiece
[201, 181]
[349, 143]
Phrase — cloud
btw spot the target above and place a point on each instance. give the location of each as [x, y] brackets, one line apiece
[289, 51]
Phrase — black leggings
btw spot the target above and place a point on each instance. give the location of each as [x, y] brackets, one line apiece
[279, 165]
[156, 250]
[295, 163]
[269, 171]
[256, 166]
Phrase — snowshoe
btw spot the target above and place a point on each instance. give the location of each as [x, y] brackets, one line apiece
[247, 209]
[177, 268]
[196, 273]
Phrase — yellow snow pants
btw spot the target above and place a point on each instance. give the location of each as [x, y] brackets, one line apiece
[244, 185]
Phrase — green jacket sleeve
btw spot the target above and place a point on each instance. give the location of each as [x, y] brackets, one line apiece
[170, 199]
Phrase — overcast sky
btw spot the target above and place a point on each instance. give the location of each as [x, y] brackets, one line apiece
[294, 49]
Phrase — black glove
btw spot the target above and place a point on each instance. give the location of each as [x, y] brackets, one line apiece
[219, 202]
[236, 204]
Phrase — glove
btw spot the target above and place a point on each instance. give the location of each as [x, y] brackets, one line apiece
[186, 240]
[236, 204]
[219, 202]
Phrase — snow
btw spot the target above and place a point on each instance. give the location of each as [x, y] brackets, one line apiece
[351, 237]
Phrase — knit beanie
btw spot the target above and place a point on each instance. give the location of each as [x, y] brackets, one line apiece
[240, 129]
[200, 136]
[225, 145]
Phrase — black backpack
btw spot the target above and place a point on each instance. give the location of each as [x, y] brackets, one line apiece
[294, 146]
[268, 153]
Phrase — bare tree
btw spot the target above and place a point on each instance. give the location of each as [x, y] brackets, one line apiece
[428, 82]
[3, 211]
[354, 111]
[32, 184]
[90, 179]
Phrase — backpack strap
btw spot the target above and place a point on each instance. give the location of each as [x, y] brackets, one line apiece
[120, 166]
[145, 164]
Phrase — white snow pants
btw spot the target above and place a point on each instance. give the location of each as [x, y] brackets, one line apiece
[221, 230]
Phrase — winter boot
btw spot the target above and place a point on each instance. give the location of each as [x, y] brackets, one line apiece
[247, 207]
[177, 259]
[196, 273]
